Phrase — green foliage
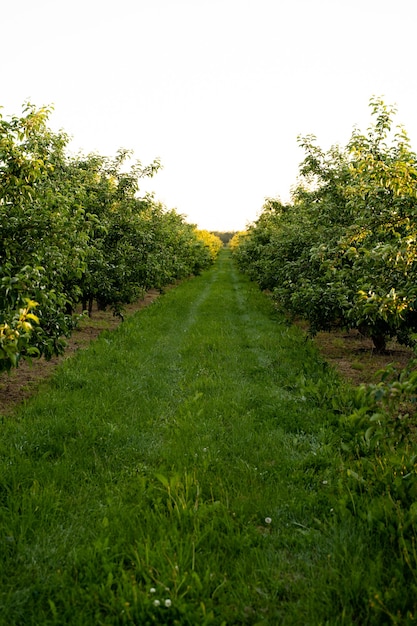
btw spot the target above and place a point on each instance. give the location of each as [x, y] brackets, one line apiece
[15, 336]
[43, 238]
[75, 229]
[343, 253]
[378, 490]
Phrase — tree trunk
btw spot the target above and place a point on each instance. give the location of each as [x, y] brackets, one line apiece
[380, 343]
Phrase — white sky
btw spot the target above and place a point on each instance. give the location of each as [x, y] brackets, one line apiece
[218, 89]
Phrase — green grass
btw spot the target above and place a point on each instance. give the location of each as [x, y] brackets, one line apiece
[182, 470]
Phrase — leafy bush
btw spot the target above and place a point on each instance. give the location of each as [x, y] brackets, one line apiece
[378, 488]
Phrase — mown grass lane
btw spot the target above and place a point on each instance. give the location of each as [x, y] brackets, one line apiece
[176, 472]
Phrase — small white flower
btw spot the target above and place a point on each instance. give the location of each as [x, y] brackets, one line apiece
[156, 603]
[268, 520]
[168, 602]
[325, 482]
[152, 590]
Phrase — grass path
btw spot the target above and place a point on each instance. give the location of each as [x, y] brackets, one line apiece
[176, 472]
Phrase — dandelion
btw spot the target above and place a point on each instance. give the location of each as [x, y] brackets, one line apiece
[268, 520]
[152, 590]
[156, 603]
[168, 602]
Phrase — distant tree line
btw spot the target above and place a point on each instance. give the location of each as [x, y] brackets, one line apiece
[224, 236]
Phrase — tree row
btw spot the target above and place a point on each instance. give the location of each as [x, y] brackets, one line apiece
[343, 252]
[76, 230]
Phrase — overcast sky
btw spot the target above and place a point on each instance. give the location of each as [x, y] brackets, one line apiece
[219, 90]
